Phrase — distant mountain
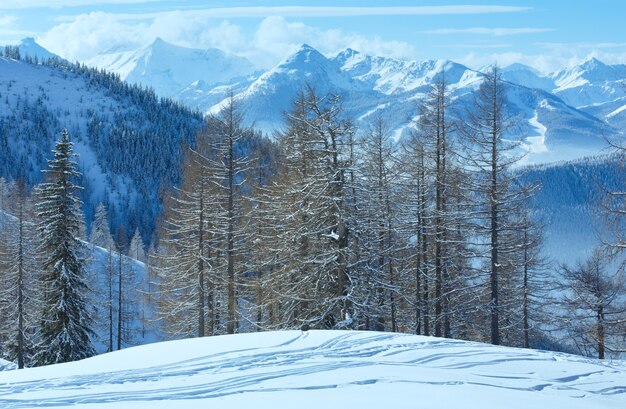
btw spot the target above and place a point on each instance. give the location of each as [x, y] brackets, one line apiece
[596, 88]
[569, 203]
[527, 76]
[563, 115]
[170, 69]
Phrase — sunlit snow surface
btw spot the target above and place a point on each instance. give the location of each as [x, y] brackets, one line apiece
[321, 369]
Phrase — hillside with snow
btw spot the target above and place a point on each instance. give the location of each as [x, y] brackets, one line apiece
[314, 369]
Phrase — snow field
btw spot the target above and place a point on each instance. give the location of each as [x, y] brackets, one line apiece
[320, 369]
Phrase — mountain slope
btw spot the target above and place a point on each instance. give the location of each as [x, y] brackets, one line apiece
[569, 203]
[321, 369]
[169, 69]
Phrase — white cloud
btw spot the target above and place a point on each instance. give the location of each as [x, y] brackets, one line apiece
[275, 37]
[317, 11]
[314, 11]
[496, 32]
[90, 34]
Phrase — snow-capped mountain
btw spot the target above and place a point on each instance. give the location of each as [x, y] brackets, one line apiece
[596, 88]
[592, 86]
[170, 69]
[527, 76]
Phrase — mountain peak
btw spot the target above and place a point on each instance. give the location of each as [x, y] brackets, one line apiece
[520, 67]
[304, 54]
[346, 55]
[28, 46]
[305, 47]
[159, 43]
[592, 63]
[28, 41]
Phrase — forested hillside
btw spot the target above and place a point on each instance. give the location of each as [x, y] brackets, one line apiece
[129, 140]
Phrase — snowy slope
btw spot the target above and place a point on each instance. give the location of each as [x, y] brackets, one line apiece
[68, 94]
[315, 369]
[170, 69]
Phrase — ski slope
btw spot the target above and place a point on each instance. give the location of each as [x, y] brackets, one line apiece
[320, 369]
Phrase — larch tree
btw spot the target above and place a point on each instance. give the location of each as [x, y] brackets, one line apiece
[101, 236]
[535, 281]
[18, 284]
[227, 132]
[377, 213]
[136, 248]
[435, 129]
[489, 156]
[185, 262]
[315, 219]
[416, 228]
[593, 309]
[65, 329]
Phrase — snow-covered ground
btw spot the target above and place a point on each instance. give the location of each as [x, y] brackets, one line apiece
[321, 369]
[6, 365]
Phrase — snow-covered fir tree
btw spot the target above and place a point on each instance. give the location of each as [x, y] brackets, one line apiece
[65, 331]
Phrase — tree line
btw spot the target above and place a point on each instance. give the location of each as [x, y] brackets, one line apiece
[328, 227]
[431, 235]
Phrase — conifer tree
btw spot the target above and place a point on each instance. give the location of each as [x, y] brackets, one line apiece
[65, 332]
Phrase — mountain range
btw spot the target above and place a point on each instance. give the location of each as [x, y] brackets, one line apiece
[562, 115]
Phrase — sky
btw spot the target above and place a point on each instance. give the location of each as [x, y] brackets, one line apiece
[546, 34]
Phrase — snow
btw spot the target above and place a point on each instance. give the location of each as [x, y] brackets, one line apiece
[6, 365]
[320, 369]
[617, 111]
[537, 144]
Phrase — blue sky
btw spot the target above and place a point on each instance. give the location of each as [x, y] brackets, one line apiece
[547, 34]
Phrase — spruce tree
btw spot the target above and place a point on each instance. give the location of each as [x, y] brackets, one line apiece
[65, 324]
